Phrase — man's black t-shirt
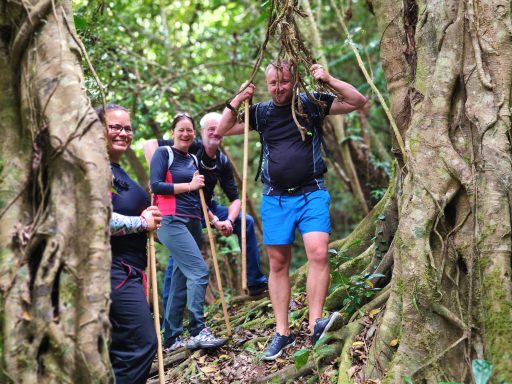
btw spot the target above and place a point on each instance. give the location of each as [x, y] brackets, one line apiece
[290, 165]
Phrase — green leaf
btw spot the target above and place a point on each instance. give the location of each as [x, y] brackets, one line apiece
[449, 382]
[326, 349]
[415, 303]
[482, 371]
[301, 357]
[408, 380]
[80, 22]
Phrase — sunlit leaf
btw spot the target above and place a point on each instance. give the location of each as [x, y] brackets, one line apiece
[373, 312]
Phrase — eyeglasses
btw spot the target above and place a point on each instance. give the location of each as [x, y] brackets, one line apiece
[116, 128]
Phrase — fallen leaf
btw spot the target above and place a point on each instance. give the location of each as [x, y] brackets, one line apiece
[208, 369]
[357, 344]
[371, 332]
[394, 342]
[373, 312]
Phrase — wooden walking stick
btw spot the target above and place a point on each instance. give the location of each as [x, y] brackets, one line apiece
[148, 277]
[244, 197]
[215, 264]
[156, 311]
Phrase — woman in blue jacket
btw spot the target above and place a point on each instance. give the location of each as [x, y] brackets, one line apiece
[175, 181]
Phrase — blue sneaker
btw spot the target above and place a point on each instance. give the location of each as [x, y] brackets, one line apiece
[277, 346]
[322, 326]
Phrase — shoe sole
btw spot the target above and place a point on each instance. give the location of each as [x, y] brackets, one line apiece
[205, 346]
[335, 316]
[169, 350]
[274, 357]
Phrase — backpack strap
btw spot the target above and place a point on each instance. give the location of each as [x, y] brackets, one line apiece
[195, 160]
[171, 158]
[261, 112]
[316, 115]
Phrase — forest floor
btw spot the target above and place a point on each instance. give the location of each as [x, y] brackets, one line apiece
[239, 360]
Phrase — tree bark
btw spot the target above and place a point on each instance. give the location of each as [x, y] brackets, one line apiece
[55, 259]
[452, 246]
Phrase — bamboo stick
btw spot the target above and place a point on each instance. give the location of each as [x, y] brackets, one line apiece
[215, 264]
[156, 311]
[244, 197]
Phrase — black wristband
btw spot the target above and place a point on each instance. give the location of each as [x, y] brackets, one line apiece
[232, 222]
[233, 110]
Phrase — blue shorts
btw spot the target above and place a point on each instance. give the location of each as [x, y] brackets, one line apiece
[280, 216]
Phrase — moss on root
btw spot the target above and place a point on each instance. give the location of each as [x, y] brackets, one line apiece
[496, 318]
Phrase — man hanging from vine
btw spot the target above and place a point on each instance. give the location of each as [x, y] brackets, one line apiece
[294, 193]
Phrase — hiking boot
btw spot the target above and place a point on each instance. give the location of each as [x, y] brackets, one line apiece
[205, 340]
[178, 343]
[322, 326]
[257, 289]
[277, 346]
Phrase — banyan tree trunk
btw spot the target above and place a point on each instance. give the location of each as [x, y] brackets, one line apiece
[54, 257]
[448, 65]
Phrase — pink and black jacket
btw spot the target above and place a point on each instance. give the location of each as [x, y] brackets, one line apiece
[163, 179]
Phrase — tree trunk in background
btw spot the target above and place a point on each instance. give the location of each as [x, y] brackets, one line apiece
[55, 179]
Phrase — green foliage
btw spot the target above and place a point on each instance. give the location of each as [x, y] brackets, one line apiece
[377, 193]
[158, 58]
[360, 290]
[449, 382]
[301, 357]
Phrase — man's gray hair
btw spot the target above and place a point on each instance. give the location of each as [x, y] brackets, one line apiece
[209, 116]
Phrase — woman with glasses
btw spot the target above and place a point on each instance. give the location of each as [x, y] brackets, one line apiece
[134, 341]
[175, 181]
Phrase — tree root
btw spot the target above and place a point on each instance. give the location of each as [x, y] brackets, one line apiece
[448, 315]
[26, 30]
[170, 359]
[349, 332]
[290, 372]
